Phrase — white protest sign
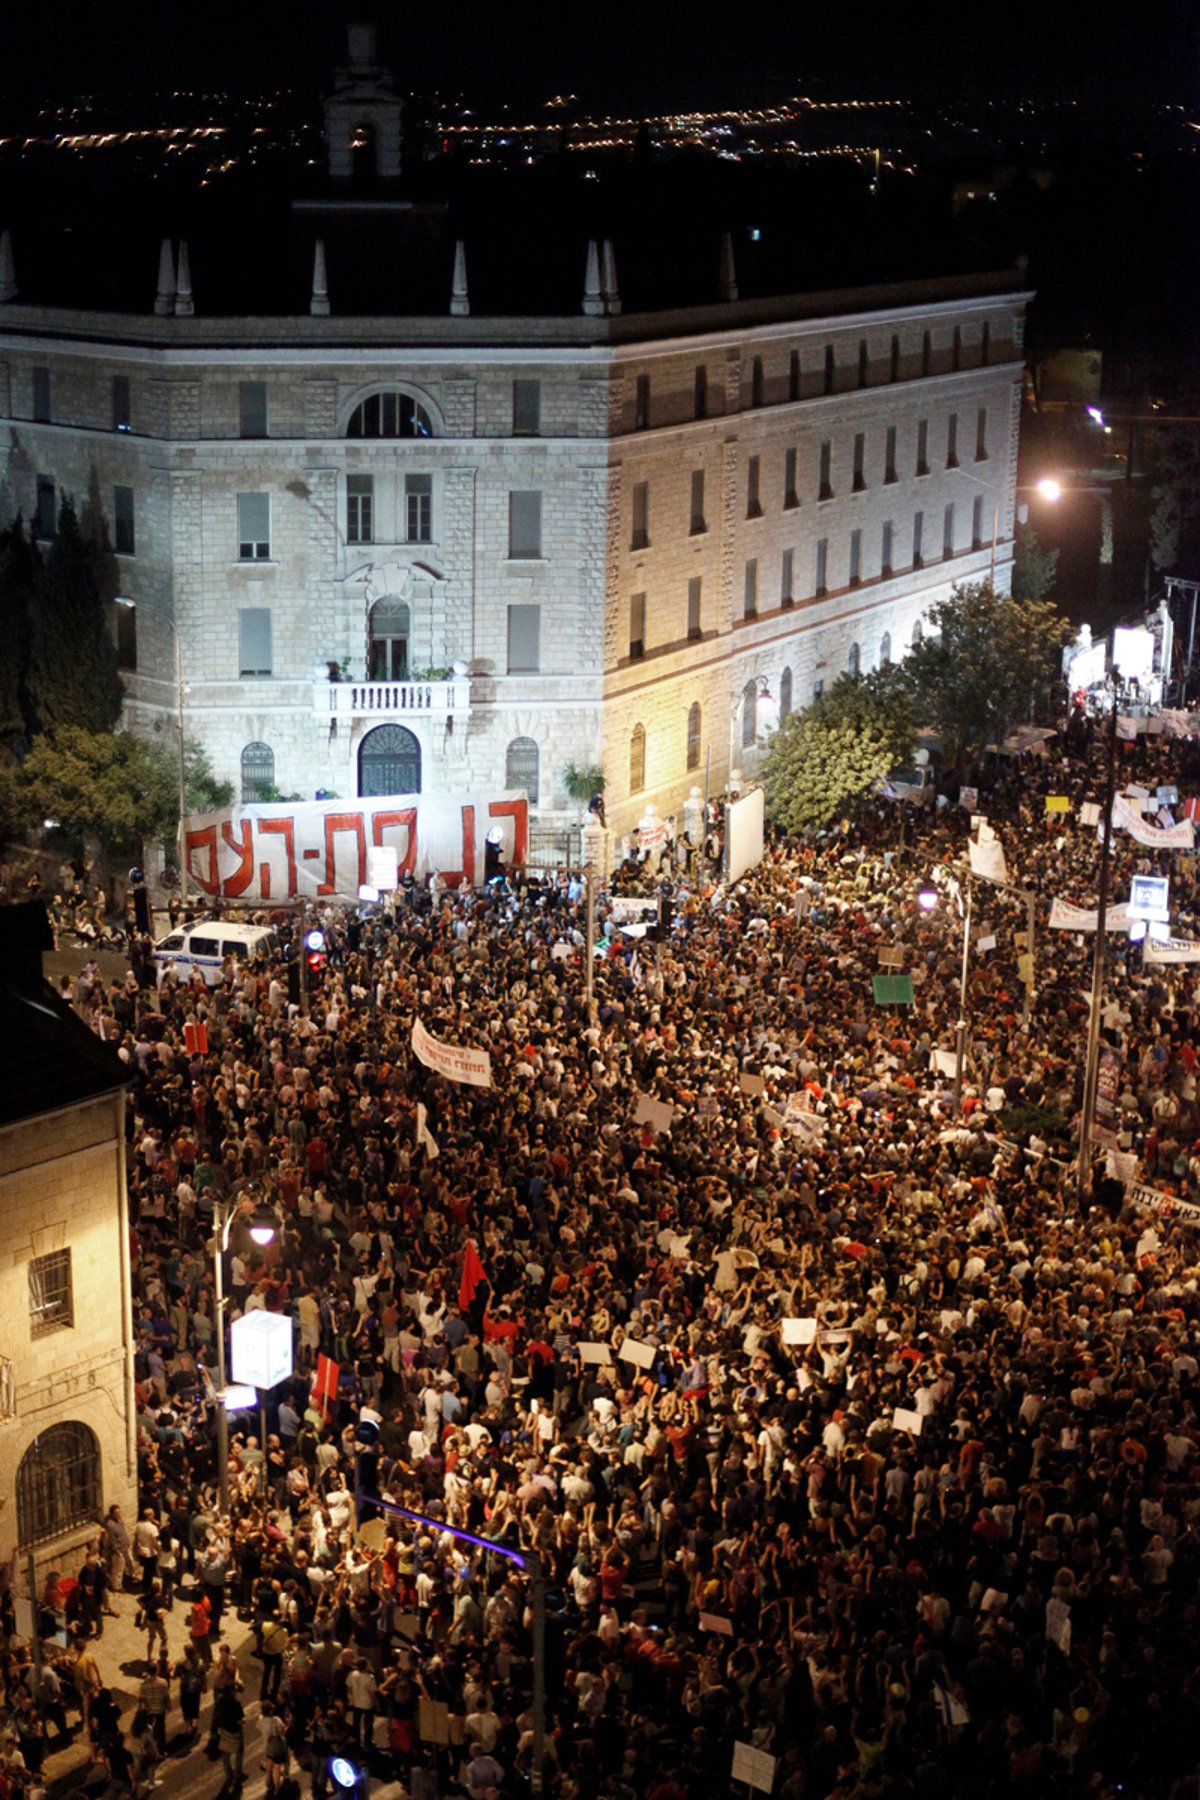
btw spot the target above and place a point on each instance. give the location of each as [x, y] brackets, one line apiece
[751, 1084]
[655, 1113]
[755, 1767]
[1171, 950]
[905, 1420]
[383, 867]
[799, 1331]
[635, 1352]
[594, 1353]
[987, 860]
[1089, 813]
[986, 943]
[945, 1062]
[455, 1062]
[1065, 916]
[714, 1622]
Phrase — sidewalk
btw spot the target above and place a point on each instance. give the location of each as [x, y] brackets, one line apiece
[121, 1654]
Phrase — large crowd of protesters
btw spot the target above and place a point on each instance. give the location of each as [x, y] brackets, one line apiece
[940, 1537]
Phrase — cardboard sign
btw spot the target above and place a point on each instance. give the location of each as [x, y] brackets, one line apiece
[632, 1350]
[594, 1353]
[755, 1767]
[1089, 813]
[799, 1331]
[655, 1113]
[890, 957]
[986, 943]
[905, 1420]
[714, 1622]
[752, 1085]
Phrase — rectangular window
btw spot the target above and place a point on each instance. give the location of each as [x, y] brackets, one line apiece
[758, 383]
[786, 578]
[830, 380]
[750, 589]
[825, 479]
[922, 447]
[822, 570]
[252, 409]
[794, 375]
[525, 524]
[948, 530]
[695, 605]
[123, 533]
[818, 688]
[46, 519]
[698, 524]
[51, 1306]
[360, 509]
[885, 552]
[889, 455]
[860, 453]
[639, 535]
[254, 527]
[637, 625]
[418, 509]
[122, 417]
[952, 441]
[791, 495]
[254, 640]
[855, 558]
[981, 435]
[918, 540]
[894, 360]
[700, 392]
[524, 640]
[977, 522]
[526, 408]
[641, 403]
[41, 396]
[864, 363]
[753, 483]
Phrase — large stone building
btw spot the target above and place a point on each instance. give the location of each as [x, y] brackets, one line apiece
[67, 1428]
[517, 542]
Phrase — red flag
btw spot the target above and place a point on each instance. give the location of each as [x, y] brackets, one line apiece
[325, 1387]
[195, 1039]
[472, 1275]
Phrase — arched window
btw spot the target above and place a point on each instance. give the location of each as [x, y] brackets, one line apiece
[389, 415]
[387, 649]
[58, 1483]
[389, 762]
[258, 773]
[785, 695]
[749, 714]
[521, 765]
[693, 735]
[637, 759]
[854, 662]
[885, 649]
[918, 633]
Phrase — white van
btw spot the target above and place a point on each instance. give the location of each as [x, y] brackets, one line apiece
[206, 945]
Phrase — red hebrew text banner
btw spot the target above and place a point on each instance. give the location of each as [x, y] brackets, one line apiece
[317, 849]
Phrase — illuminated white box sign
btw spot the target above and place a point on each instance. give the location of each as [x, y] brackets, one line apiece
[1148, 897]
[262, 1349]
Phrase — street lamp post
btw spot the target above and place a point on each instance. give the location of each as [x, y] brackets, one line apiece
[180, 696]
[263, 1226]
[1047, 487]
[1093, 1038]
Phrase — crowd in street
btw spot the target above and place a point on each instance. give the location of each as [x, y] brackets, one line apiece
[846, 1428]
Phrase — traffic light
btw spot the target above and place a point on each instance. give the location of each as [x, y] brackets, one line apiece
[314, 950]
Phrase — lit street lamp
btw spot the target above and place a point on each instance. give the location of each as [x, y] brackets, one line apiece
[1047, 488]
[263, 1226]
[180, 694]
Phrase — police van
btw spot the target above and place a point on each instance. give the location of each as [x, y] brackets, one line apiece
[200, 951]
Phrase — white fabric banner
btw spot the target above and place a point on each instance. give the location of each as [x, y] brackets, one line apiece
[318, 849]
[1177, 724]
[1064, 916]
[425, 1138]
[1172, 950]
[1138, 1194]
[456, 1062]
[987, 861]
[1175, 837]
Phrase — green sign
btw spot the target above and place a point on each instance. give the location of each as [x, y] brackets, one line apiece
[892, 990]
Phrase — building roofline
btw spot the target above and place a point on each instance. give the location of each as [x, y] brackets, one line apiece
[718, 320]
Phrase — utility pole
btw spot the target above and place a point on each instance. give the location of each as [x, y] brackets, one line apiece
[1093, 1039]
[960, 1035]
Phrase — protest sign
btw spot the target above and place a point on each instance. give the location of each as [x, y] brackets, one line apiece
[456, 1062]
[903, 1419]
[799, 1331]
[755, 1767]
[638, 1353]
[655, 1113]
[1058, 803]
[594, 1353]
[714, 1622]
[987, 860]
[751, 1084]
[1089, 813]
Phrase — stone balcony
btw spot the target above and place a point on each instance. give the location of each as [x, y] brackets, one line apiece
[398, 700]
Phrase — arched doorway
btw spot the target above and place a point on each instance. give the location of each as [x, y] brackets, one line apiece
[389, 762]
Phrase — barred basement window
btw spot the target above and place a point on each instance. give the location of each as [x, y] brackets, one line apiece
[522, 762]
[258, 773]
[58, 1483]
[50, 1307]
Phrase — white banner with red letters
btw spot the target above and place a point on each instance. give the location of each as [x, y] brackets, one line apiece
[320, 849]
[457, 1062]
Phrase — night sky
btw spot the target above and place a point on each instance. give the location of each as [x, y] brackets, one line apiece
[627, 55]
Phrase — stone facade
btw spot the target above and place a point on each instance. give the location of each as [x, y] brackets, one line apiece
[62, 1189]
[905, 401]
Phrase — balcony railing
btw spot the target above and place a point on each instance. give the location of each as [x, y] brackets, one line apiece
[389, 699]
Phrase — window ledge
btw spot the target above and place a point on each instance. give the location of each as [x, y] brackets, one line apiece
[521, 565]
[266, 562]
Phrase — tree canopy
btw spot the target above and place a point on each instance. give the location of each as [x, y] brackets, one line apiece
[982, 667]
[1034, 568]
[71, 676]
[824, 761]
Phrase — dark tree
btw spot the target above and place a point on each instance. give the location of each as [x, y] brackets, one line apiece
[72, 676]
[19, 577]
